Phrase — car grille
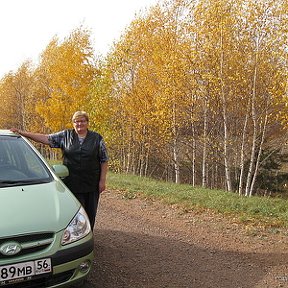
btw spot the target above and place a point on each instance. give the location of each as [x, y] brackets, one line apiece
[30, 243]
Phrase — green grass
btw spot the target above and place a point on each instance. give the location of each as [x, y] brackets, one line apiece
[263, 211]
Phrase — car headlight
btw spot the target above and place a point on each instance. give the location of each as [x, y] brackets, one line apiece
[78, 228]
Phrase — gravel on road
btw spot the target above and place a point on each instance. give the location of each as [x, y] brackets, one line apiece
[140, 243]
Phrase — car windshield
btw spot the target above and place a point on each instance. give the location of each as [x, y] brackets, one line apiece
[19, 164]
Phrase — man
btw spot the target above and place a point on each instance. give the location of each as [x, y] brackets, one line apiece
[85, 155]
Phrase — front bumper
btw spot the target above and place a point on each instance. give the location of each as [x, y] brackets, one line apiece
[70, 265]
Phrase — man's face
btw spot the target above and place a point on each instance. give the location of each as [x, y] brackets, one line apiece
[80, 125]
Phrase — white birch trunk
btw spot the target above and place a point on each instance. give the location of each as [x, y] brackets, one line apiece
[225, 119]
[193, 157]
[175, 148]
[242, 160]
[254, 137]
[259, 155]
[204, 152]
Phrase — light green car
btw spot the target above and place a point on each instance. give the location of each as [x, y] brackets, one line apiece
[45, 235]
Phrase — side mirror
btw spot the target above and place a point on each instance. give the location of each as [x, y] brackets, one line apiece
[60, 170]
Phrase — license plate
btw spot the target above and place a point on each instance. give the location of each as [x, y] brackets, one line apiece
[24, 271]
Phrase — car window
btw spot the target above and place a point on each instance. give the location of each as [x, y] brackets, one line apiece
[18, 161]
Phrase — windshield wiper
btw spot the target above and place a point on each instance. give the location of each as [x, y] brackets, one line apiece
[5, 183]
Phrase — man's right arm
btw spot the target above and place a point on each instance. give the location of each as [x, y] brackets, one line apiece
[37, 137]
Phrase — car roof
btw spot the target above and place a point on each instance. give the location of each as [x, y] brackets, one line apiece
[6, 132]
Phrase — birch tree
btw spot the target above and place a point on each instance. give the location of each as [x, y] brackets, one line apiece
[67, 70]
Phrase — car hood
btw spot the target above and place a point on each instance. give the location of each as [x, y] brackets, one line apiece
[36, 208]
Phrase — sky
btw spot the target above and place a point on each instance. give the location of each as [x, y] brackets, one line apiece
[27, 26]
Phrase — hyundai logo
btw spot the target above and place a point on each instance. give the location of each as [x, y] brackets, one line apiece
[10, 248]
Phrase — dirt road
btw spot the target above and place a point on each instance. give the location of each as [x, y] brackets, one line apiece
[145, 244]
